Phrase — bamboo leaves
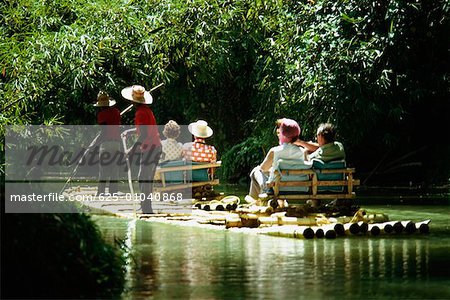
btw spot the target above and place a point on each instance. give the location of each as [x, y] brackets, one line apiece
[314, 61]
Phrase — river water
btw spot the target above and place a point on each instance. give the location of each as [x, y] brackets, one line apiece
[178, 262]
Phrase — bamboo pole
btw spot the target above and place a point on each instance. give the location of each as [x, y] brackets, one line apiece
[398, 227]
[374, 229]
[353, 228]
[250, 220]
[423, 226]
[330, 232]
[254, 209]
[281, 220]
[375, 218]
[387, 227]
[339, 228]
[409, 227]
[318, 232]
[392, 226]
[363, 227]
[233, 222]
[306, 232]
[291, 231]
[231, 206]
[130, 181]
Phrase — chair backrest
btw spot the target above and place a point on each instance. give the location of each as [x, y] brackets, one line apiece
[337, 164]
[188, 175]
[199, 174]
[174, 176]
[290, 164]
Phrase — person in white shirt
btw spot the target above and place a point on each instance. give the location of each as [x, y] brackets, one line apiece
[288, 134]
[171, 148]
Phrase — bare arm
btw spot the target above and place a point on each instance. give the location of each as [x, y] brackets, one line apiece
[310, 146]
[267, 163]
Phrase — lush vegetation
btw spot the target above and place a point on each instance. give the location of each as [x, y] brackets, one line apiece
[55, 256]
[378, 69]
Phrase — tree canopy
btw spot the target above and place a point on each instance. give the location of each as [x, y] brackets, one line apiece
[379, 70]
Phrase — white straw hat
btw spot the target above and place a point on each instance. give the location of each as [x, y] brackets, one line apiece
[104, 100]
[137, 94]
[200, 129]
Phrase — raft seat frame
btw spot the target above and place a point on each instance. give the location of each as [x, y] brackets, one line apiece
[162, 185]
[313, 183]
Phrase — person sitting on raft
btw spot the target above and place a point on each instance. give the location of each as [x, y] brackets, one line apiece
[199, 151]
[288, 133]
[327, 148]
[171, 148]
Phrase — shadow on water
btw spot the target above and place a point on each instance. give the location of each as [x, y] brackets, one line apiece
[175, 261]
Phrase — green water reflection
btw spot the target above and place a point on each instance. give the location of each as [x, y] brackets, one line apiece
[172, 261]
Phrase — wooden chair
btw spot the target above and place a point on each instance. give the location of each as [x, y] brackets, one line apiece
[299, 181]
[179, 175]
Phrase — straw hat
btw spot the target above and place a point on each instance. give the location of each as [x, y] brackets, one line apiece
[137, 94]
[104, 100]
[200, 129]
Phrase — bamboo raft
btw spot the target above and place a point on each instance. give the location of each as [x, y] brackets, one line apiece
[229, 214]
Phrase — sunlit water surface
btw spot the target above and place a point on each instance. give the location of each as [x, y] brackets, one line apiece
[171, 261]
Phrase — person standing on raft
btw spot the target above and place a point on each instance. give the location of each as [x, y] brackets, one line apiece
[148, 144]
[109, 141]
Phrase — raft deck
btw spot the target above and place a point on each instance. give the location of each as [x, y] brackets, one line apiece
[250, 219]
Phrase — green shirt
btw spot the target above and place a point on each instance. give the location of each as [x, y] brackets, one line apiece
[329, 152]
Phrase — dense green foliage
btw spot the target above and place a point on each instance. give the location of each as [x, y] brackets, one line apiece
[55, 256]
[378, 69]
